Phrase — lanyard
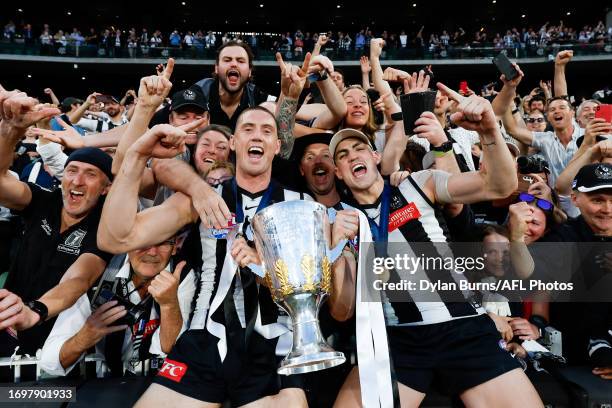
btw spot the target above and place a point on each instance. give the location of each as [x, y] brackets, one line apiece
[380, 232]
[263, 203]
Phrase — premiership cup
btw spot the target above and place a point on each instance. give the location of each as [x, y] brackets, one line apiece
[292, 240]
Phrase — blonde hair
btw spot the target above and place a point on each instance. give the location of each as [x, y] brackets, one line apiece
[370, 127]
[221, 165]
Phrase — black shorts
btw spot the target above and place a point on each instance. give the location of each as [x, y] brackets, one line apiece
[194, 368]
[457, 355]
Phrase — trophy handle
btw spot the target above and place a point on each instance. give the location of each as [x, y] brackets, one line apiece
[257, 269]
[335, 253]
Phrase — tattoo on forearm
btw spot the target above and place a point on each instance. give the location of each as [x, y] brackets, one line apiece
[286, 121]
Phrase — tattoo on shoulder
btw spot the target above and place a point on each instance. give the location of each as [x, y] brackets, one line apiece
[286, 121]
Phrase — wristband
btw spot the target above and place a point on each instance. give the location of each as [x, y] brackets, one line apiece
[39, 308]
[439, 154]
[317, 76]
[444, 147]
[397, 116]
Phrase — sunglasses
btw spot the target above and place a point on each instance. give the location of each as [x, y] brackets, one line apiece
[542, 204]
[534, 120]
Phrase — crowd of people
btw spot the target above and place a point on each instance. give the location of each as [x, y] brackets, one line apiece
[132, 42]
[117, 218]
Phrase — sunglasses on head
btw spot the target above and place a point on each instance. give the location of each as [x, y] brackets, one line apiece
[534, 120]
[542, 204]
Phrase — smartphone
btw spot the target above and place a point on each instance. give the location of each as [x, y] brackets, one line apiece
[463, 87]
[413, 105]
[604, 111]
[379, 117]
[504, 65]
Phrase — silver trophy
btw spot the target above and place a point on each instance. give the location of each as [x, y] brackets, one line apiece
[292, 240]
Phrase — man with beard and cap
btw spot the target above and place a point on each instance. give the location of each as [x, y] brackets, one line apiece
[58, 259]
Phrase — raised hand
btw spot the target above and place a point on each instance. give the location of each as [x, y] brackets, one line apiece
[428, 127]
[161, 141]
[376, 46]
[164, 288]
[540, 188]
[596, 127]
[473, 112]
[379, 104]
[322, 40]
[18, 112]
[416, 83]
[293, 78]
[563, 57]
[155, 88]
[394, 74]
[364, 62]
[69, 137]
[320, 63]
[516, 81]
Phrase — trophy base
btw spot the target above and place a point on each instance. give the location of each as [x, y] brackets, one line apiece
[312, 362]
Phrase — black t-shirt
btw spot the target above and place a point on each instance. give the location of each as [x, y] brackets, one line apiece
[217, 115]
[45, 254]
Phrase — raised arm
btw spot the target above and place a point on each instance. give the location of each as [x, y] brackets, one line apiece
[396, 140]
[77, 280]
[561, 61]
[504, 98]
[334, 101]
[593, 154]
[293, 79]
[121, 227]
[78, 114]
[17, 113]
[364, 63]
[321, 41]
[151, 93]
[54, 99]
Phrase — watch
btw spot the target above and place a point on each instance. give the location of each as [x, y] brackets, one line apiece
[322, 76]
[444, 147]
[39, 308]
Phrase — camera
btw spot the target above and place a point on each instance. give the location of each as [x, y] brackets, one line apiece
[106, 294]
[552, 340]
[532, 164]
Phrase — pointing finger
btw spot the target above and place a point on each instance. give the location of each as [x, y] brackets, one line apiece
[167, 73]
[306, 64]
[450, 93]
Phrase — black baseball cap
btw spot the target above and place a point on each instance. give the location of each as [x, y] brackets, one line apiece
[593, 177]
[189, 97]
[68, 102]
[598, 138]
[301, 143]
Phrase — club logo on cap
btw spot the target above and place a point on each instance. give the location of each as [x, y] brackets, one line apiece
[189, 95]
[603, 172]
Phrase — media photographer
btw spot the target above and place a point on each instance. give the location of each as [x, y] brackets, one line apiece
[136, 312]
